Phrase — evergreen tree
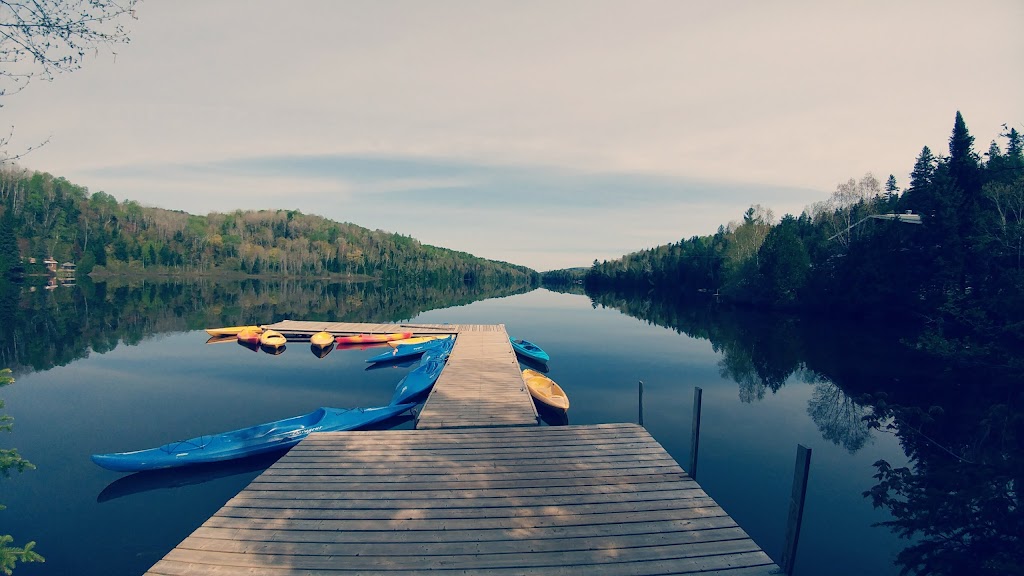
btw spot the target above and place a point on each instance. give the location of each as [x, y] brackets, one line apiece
[916, 197]
[1015, 146]
[892, 192]
[924, 169]
[783, 263]
[9, 253]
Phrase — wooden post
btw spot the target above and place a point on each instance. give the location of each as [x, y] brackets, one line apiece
[640, 417]
[796, 507]
[695, 432]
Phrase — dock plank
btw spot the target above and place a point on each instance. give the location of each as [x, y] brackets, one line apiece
[480, 386]
[487, 501]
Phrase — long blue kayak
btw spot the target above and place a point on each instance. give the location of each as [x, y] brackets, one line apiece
[410, 350]
[529, 350]
[247, 441]
[421, 378]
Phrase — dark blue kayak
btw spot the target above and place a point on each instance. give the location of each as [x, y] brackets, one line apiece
[403, 351]
[247, 441]
[529, 350]
[421, 378]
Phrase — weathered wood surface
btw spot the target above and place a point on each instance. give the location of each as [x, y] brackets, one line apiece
[602, 500]
[308, 328]
[481, 385]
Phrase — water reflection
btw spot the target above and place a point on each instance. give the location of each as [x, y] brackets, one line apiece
[43, 329]
[958, 501]
[552, 416]
[187, 476]
[839, 418]
[320, 351]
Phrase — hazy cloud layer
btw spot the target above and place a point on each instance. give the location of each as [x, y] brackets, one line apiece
[572, 130]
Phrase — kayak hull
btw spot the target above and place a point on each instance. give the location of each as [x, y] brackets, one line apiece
[322, 339]
[249, 441]
[420, 380]
[404, 351]
[230, 330]
[272, 339]
[370, 338]
[544, 390]
[529, 350]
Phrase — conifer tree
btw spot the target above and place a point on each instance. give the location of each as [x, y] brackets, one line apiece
[917, 196]
[9, 254]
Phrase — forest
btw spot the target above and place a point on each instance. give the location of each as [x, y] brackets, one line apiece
[42, 216]
[946, 253]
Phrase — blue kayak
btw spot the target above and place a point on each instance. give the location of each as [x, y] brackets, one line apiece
[421, 378]
[529, 350]
[247, 441]
[410, 350]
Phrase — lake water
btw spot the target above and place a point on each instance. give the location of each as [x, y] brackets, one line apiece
[172, 385]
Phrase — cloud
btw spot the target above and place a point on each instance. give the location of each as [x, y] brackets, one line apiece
[625, 121]
[539, 216]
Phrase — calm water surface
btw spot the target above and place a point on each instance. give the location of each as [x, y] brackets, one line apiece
[87, 520]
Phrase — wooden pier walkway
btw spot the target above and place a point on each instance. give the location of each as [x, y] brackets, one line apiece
[589, 500]
[477, 488]
[481, 385]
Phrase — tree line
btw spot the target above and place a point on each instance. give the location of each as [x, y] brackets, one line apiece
[946, 252]
[42, 216]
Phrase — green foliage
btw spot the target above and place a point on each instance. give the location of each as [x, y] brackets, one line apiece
[11, 555]
[56, 218]
[957, 276]
[11, 460]
[783, 265]
[10, 255]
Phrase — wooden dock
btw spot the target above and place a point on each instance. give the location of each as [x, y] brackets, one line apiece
[601, 500]
[481, 385]
[477, 488]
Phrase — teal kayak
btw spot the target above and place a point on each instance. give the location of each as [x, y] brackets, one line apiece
[529, 350]
[247, 441]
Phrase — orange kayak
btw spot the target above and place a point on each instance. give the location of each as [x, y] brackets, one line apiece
[370, 338]
[250, 336]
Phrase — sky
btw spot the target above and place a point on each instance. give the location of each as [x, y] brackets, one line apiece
[544, 133]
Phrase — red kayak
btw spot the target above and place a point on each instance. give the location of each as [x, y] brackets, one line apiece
[372, 338]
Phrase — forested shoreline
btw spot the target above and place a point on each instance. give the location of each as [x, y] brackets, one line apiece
[43, 216]
[946, 253]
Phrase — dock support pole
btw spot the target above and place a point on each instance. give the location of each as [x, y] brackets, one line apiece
[796, 507]
[640, 404]
[695, 432]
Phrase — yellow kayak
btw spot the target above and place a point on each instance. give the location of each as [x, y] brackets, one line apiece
[417, 340]
[322, 339]
[272, 339]
[544, 390]
[231, 330]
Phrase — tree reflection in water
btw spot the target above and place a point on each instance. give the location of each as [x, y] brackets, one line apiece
[958, 503]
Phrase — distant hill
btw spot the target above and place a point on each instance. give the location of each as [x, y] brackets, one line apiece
[52, 217]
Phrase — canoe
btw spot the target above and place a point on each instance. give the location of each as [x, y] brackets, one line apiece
[416, 340]
[544, 390]
[322, 339]
[365, 338]
[249, 336]
[230, 330]
[272, 339]
[247, 441]
[529, 350]
[419, 381]
[409, 350]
